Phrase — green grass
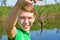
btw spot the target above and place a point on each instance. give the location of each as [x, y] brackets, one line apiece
[4, 11]
[40, 10]
[48, 9]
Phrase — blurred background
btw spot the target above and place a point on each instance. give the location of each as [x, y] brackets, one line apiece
[47, 24]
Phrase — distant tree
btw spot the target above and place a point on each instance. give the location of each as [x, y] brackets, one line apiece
[40, 0]
[45, 1]
[55, 1]
[3, 2]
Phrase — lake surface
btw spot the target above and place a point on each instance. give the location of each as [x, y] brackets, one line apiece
[52, 34]
[47, 34]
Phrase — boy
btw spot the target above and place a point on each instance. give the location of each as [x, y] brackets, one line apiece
[23, 13]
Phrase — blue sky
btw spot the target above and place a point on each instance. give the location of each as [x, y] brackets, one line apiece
[12, 2]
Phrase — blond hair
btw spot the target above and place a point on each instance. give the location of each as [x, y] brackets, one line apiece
[28, 8]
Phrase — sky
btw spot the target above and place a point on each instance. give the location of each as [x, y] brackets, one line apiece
[13, 2]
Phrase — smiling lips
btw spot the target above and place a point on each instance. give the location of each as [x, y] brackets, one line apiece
[26, 26]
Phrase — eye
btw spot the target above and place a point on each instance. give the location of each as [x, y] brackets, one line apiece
[29, 17]
[22, 17]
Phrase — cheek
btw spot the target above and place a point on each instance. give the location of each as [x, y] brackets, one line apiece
[31, 22]
[22, 21]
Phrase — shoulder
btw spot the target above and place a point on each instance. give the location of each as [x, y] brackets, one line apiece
[18, 31]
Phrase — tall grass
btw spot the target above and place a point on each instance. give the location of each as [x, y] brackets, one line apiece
[48, 9]
[4, 11]
[40, 10]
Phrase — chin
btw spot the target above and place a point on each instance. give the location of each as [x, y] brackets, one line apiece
[27, 30]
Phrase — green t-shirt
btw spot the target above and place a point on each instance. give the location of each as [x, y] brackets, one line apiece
[21, 35]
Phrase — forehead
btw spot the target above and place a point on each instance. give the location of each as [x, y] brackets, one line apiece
[25, 13]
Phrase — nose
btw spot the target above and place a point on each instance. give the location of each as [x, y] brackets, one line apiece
[26, 21]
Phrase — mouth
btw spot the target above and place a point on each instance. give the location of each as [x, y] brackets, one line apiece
[26, 27]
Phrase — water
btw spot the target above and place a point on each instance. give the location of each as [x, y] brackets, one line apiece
[47, 34]
[52, 34]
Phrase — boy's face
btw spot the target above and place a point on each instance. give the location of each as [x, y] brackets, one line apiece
[26, 20]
